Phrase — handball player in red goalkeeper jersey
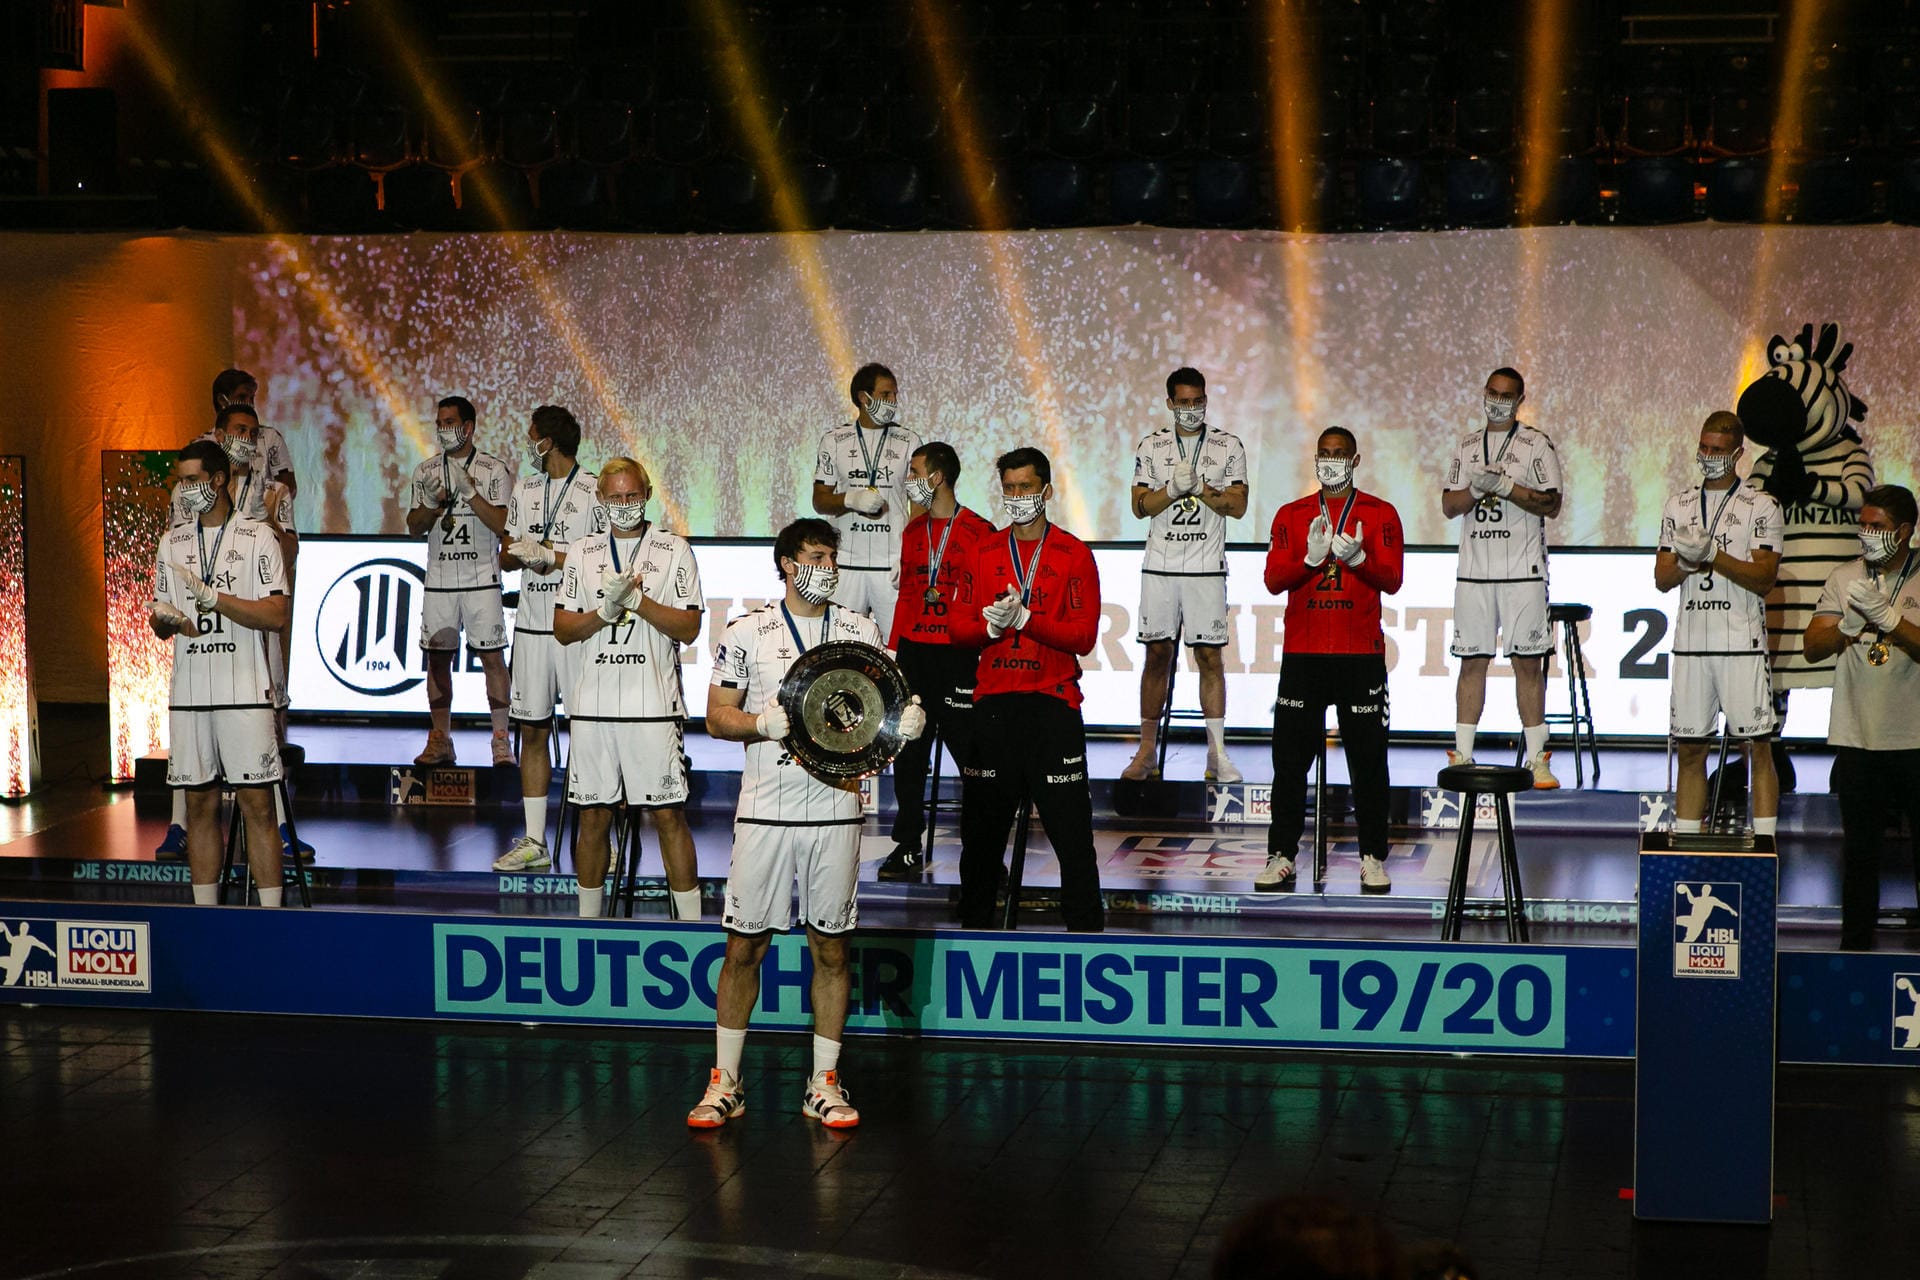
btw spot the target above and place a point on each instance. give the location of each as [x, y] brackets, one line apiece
[1034, 613]
[1334, 553]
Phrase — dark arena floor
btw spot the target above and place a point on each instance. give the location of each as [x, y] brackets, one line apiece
[180, 1143]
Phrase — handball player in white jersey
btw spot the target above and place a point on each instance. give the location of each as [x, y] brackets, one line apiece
[860, 482]
[790, 825]
[550, 509]
[459, 501]
[1720, 544]
[630, 597]
[1189, 479]
[1503, 481]
[219, 586]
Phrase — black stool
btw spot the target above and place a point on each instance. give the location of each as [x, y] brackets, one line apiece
[623, 861]
[1579, 714]
[1473, 781]
[1017, 874]
[236, 851]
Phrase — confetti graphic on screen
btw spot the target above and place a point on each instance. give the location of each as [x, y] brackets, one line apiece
[16, 692]
[136, 492]
[703, 356]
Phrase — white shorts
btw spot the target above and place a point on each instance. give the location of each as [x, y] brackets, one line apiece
[1737, 686]
[237, 747]
[868, 591]
[766, 860]
[1193, 604]
[1516, 612]
[479, 612]
[543, 671]
[638, 761]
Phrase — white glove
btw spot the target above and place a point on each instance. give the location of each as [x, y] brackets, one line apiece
[462, 483]
[1319, 541]
[913, 720]
[867, 502]
[1001, 613]
[893, 572]
[204, 596]
[168, 616]
[620, 594]
[1852, 624]
[1185, 478]
[433, 490]
[773, 725]
[530, 552]
[1872, 602]
[1693, 547]
[1347, 548]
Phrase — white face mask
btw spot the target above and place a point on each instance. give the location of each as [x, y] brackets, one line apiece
[883, 412]
[814, 583]
[240, 452]
[451, 438]
[1715, 466]
[1189, 417]
[1333, 473]
[1500, 412]
[919, 491]
[626, 513]
[1026, 508]
[1879, 544]
[195, 497]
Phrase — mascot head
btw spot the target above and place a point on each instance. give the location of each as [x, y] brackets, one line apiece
[1800, 403]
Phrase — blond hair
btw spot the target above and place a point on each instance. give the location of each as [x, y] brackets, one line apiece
[625, 466]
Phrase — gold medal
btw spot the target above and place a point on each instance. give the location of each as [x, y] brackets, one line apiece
[1878, 653]
[932, 595]
[446, 522]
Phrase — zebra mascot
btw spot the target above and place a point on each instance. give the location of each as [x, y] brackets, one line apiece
[1819, 471]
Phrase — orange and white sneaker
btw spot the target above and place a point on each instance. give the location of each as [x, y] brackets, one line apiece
[1455, 759]
[723, 1100]
[1543, 779]
[503, 748]
[439, 749]
[827, 1102]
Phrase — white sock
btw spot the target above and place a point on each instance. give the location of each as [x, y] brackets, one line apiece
[1217, 735]
[1687, 826]
[686, 903]
[826, 1054]
[271, 897]
[279, 808]
[179, 818]
[536, 807]
[206, 895]
[1149, 735]
[1463, 740]
[1766, 826]
[499, 719]
[593, 901]
[1536, 735]
[728, 1043]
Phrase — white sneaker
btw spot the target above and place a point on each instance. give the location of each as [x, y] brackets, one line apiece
[1141, 767]
[723, 1100]
[1221, 768]
[1276, 876]
[1455, 759]
[524, 854]
[1373, 875]
[827, 1102]
[1543, 779]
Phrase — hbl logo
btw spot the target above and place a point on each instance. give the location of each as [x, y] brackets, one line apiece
[1706, 930]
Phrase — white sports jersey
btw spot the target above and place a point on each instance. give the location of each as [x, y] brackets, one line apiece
[272, 457]
[868, 542]
[1717, 617]
[225, 666]
[555, 511]
[255, 498]
[1189, 536]
[468, 555]
[630, 670]
[1499, 541]
[754, 655]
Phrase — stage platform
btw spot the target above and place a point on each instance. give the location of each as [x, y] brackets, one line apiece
[1174, 856]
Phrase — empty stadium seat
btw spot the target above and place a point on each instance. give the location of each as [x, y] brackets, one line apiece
[1736, 188]
[605, 131]
[837, 127]
[1656, 189]
[1157, 123]
[1058, 191]
[1390, 192]
[682, 130]
[529, 134]
[1834, 188]
[651, 196]
[495, 197]
[1225, 193]
[1479, 192]
[573, 194]
[892, 194]
[727, 195]
[419, 197]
